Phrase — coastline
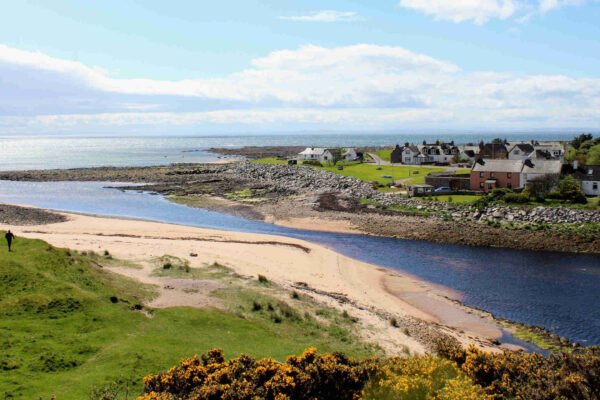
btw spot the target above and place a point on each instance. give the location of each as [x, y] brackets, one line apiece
[373, 293]
[284, 200]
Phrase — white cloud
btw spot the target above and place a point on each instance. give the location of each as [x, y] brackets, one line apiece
[355, 86]
[482, 11]
[550, 5]
[326, 16]
[478, 11]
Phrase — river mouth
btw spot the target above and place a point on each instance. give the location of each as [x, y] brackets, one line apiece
[554, 290]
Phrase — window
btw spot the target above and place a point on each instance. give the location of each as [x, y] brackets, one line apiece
[516, 152]
[481, 185]
[491, 174]
[509, 185]
[595, 186]
[481, 174]
[490, 186]
[509, 175]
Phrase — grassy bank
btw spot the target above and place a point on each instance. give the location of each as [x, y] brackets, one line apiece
[68, 324]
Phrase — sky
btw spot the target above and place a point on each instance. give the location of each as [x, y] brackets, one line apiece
[131, 67]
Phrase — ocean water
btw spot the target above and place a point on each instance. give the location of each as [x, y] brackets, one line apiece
[555, 290]
[26, 152]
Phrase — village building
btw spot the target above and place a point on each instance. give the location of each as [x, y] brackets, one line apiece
[493, 151]
[488, 174]
[536, 169]
[589, 178]
[441, 153]
[323, 154]
[521, 151]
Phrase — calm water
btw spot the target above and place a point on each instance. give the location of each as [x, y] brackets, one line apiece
[18, 153]
[558, 291]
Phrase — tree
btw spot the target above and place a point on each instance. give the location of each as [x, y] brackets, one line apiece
[538, 188]
[577, 141]
[570, 190]
[593, 155]
[337, 155]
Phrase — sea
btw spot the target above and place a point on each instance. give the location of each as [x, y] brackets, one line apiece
[55, 152]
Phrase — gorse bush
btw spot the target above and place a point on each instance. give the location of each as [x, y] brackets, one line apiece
[512, 375]
[421, 378]
[310, 376]
[454, 374]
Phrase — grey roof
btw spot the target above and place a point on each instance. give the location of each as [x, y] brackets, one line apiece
[542, 166]
[524, 147]
[583, 173]
[414, 149]
[495, 165]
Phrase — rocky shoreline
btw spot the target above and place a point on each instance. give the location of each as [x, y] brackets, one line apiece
[23, 216]
[284, 194]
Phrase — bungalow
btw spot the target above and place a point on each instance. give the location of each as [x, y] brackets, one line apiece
[316, 153]
[326, 155]
[420, 190]
[589, 177]
[488, 174]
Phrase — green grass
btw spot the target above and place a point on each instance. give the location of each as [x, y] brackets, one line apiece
[269, 160]
[369, 172]
[60, 333]
[458, 198]
[385, 155]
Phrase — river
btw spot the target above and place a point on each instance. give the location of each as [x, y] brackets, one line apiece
[557, 291]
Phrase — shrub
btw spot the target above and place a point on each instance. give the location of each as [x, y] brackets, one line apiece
[570, 190]
[530, 376]
[315, 163]
[262, 279]
[425, 378]
[295, 295]
[499, 193]
[518, 198]
[256, 306]
[393, 322]
[310, 376]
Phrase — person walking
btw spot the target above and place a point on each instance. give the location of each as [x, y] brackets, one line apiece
[9, 238]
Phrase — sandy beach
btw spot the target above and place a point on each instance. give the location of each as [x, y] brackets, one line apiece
[373, 293]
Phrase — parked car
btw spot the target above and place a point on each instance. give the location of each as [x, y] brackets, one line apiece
[443, 189]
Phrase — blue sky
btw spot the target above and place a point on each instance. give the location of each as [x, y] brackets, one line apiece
[227, 66]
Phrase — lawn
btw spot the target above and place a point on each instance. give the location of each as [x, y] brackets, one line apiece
[62, 334]
[369, 172]
[269, 160]
[385, 155]
[458, 198]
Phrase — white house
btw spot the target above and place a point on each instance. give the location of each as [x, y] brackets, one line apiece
[589, 177]
[316, 153]
[323, 154]
[533, 169]
[410, 155]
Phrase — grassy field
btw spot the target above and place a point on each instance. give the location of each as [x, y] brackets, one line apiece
[458, 198]
[385, 155]
[61, 332]
[369, 172]
[269, 160]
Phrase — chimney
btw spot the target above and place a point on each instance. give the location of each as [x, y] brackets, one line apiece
[575, 165]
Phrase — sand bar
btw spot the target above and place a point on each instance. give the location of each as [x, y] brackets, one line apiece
[284, 260]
